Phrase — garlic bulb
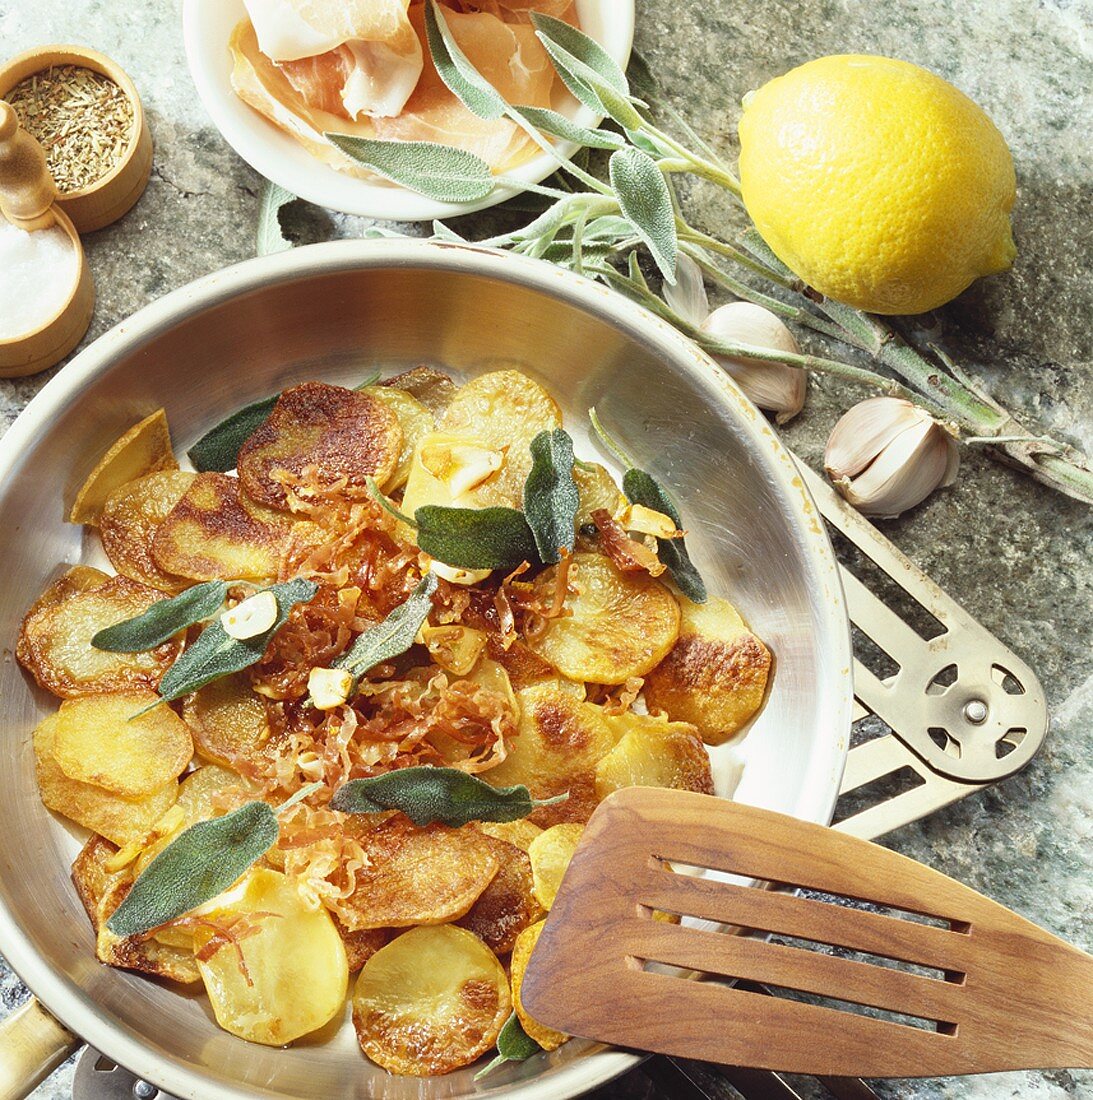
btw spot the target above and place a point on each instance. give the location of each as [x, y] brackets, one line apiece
[886, 455]
[777, 387]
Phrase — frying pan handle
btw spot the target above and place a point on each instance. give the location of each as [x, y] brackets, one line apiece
[32, 1045]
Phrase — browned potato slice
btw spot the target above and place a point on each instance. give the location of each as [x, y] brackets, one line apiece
[506, 410]
[618, 625]
[228, 722]
[596, 488]
[294, 975]
[417, 875]
[560, 741]
[101, 893]
[519, 833]
[508, 905]
[121, 820]
[432, 388]
[550, 853]
[339, 433]
[98, 740]
[208, 535]
[55, 640]
[361, 945]
[416, 422]
[716, 675]
[130, 519]
[145, 448]
[654, 752]
[432, 1000]
[546, 1037]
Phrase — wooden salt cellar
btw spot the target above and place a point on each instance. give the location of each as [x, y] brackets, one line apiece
[28, 200]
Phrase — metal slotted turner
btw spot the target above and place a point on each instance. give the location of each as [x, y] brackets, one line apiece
[981, 989]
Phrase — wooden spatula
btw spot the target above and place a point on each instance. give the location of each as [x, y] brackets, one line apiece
[986, 990]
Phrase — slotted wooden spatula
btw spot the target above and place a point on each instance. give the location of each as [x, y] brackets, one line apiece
[986, 989]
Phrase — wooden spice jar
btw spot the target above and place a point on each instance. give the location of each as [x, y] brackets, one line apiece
[106, 198]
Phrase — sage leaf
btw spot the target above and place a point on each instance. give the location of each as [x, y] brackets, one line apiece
[643, 488]
[446, 795]
[514, 1044]
[216, 654]
[550, 494]
[218, 448]
[456, 70]
[475, 538]
[591, 88]
[163, 620]
[394, 635]
[439, 172]
[581, 47]
[201, 862]
[557, 125]
[647, 204]
[270, 237]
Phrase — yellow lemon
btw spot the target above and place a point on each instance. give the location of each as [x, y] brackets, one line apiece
[877, 182]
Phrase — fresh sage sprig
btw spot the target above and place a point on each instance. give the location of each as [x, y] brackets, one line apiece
[514, 1044]
[446, 795]
[475, 538]
[394, 635]
[215, 653]
[163, 620]
[218, 449]
[551, 499]
[201, 862]
[642, 488]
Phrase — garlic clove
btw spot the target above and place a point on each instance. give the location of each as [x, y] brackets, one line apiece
[251, 617]
[329, 687]
[885, 456]
[777, 387]
[454, 575]
[461, 466]
[646, 521]
[688, 295]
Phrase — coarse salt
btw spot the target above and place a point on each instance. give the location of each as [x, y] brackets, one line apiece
[38, 272]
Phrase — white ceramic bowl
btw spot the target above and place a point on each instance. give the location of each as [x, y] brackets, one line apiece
[207, 26]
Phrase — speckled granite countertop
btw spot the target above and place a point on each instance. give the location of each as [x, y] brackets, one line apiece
[1017, 556]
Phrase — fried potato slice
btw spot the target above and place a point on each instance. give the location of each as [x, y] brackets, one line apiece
[417, 875]
[432, 1000]
[361, 945]
[550, 853]
[546, 1037]
[286, 978]
[342, 435]
[55, 639]
[508, 905]
[121, 820]
[506, 410]
[596, 488]
[208, 535]
[101, 892]
[432, 388]
[129, 521]
[715, 677]
[228, 722]
[97, 739]
[519, 833]
[145, 448]
[416, 422]
[560, 741]
[654, 752]
[617, 626]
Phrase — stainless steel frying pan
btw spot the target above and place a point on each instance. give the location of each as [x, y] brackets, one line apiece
[336, 311]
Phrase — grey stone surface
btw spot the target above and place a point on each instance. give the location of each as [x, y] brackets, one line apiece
[1016, 555]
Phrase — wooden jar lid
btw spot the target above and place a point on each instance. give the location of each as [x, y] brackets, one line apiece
[108, 198]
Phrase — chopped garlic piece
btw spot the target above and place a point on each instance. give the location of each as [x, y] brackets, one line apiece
[647, 521]
[455, 575]
[254, 616]
[461, 466]
[329, 687]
